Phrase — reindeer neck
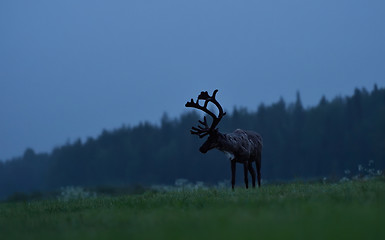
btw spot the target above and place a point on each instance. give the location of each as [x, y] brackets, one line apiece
[226, 143]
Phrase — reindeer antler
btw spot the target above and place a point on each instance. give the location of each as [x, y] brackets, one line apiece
[204, 130]
[201, 131]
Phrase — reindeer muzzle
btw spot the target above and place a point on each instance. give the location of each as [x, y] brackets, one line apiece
[203, 150]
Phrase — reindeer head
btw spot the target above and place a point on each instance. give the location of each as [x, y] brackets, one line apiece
[204, 129]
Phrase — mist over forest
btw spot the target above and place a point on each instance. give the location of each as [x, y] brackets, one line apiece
[299, 143]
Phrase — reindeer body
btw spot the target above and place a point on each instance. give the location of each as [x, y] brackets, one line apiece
[240, 146]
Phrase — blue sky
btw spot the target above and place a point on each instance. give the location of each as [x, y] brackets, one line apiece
[69, 69]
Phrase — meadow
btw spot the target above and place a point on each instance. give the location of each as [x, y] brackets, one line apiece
[347, 210]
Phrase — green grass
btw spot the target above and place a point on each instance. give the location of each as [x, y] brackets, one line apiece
[351, 210]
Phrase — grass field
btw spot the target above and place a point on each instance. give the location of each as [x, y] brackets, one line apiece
[350, 210]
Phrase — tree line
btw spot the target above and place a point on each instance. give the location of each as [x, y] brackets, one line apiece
[320, 141]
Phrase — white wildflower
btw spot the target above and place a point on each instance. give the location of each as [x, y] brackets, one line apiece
[199, 185]
[324, 179]
[223, 184]
[180, 182]
[344, 179]
[73, 193]
[371, 162]
[360, 168]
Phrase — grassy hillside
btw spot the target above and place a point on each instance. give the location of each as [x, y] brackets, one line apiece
[349, 210]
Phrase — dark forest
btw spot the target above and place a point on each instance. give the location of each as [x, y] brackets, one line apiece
[299, 143]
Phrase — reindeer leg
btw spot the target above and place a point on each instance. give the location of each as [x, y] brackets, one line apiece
[258, 163]
[245, 172]
[233, 173]
[252, 172]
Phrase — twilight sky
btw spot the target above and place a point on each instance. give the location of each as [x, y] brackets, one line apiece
[69, 69]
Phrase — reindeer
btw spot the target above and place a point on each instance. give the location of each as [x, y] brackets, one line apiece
[240, 146]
